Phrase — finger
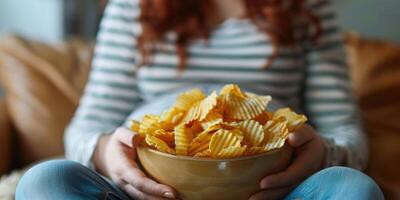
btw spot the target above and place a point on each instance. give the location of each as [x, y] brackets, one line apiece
[125, 136]
[272, 194]
[139, 195]
[138, 180]
[301, 136]
[296, 172]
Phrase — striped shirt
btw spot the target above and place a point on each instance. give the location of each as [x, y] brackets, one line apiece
[311, 78]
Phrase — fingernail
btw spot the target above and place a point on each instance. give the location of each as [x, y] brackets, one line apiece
[169, 195]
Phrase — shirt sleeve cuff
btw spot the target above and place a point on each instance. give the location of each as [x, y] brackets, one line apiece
[335, 155]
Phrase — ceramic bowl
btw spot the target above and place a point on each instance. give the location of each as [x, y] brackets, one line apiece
[199, 178]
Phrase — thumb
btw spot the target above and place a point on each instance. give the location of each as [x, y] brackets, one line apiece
[301, 136]
[127, 137]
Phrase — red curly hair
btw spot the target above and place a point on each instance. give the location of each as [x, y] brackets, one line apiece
[189, 19]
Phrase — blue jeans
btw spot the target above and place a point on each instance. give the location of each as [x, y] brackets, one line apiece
[62, 179]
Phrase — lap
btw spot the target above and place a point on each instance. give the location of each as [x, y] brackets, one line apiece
[337, 183]
[62, 179]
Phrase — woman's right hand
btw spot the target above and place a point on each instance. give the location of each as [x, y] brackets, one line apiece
[115, 156]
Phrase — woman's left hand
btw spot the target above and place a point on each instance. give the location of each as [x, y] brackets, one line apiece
[309, 157]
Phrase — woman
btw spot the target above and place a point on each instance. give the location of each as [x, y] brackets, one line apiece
[147, 50]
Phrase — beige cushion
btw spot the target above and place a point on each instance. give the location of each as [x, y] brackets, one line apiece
[43, 85]
[375, 69]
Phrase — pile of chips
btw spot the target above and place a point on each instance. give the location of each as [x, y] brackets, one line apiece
[231, 124]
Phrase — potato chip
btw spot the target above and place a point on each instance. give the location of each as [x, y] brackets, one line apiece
[150, 124]
[253, 132]
[253, 150]
[172, 116]
[213, 118]
[232, 89]
[200, 110]
[277, 132]
[183, 137]
[199, 143]
[135, 126]
[263, 117]
[239, 134]
[231, 152]
[244, 108]
[203, 154]
[195, 127]
[293, 119]
[221, 140]
[232, 124]
[188, 99]
[166, 136]
[158, 144]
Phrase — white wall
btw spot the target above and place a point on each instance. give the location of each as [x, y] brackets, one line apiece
[42, 19]
[38, 19]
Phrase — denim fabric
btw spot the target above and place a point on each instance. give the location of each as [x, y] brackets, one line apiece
[337, 183]
[63, 179]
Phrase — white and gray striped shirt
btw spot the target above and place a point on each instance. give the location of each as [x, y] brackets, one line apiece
[310, 78]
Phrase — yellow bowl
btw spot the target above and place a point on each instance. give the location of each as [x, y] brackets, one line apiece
[199, 178]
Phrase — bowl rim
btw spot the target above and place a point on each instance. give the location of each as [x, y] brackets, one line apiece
[285, 147]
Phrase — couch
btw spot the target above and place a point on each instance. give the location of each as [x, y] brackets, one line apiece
[43, 84]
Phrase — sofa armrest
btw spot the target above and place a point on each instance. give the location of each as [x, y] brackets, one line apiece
[5, 138]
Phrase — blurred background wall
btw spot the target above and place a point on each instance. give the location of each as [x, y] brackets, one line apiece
[36, 19]
[52, 20]
[372, 18]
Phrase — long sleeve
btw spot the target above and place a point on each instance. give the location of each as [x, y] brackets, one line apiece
[328, 96]
[111, 92]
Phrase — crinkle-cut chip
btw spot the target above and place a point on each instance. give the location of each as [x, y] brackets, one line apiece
[244, 108]
[233, 124]
[211, 119]
[250, 94]
[222, 125]
[200, 142]
[275, 144]
[158, 144]
[233, 89]
[232, 152]
[198, 147]
[183, 137]
[293, 119]
[203, 137]
[135, 126]
[150, 124]
[253, 131]
[263, 117]
[195, 127]
[238, 133]
[209, 124]
[221, 140]
[200, 110]
[172, 116]
[253, 151]
[166, 136]
[203, 154]
[277, 132]
[188, 99]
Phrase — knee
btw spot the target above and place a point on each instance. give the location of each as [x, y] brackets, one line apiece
[51, 176]
[348, 181]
